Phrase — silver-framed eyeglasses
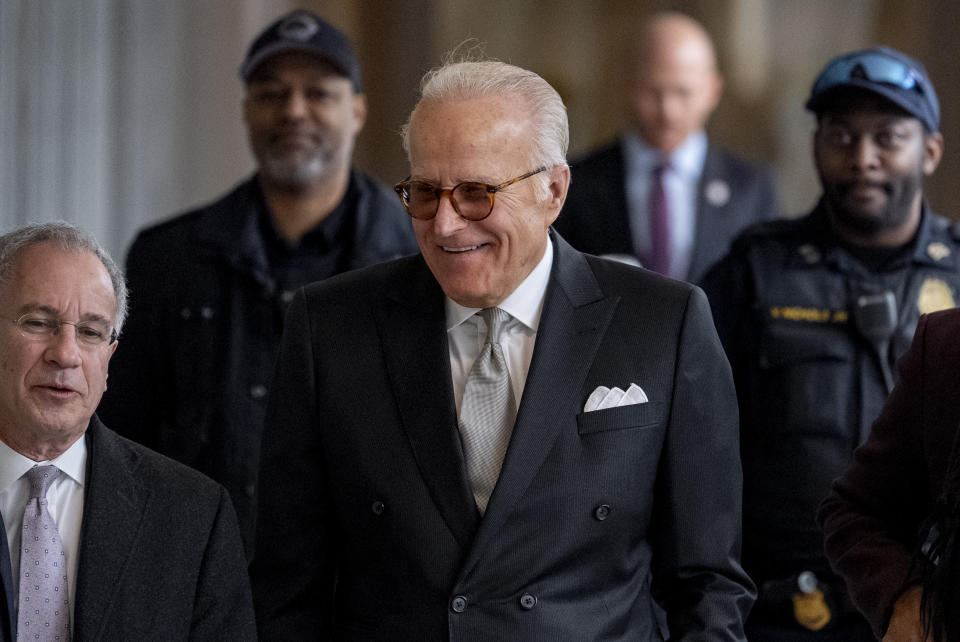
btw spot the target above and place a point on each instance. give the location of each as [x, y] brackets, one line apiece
[40, 327]
[471, 200]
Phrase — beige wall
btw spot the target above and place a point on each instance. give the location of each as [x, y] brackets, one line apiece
[770, 51]
[117, 113]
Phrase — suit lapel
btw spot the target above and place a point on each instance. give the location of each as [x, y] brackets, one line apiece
[709, 218]
[574, 319]
[412, 321]
[114, 503]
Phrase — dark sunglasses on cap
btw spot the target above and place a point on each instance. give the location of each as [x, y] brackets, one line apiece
[868, 66]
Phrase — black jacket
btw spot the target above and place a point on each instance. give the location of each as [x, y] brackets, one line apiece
[808, 355]
[159, 556]
[195, 360]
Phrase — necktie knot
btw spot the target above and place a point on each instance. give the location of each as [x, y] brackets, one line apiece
[495, 318]
[40, 478]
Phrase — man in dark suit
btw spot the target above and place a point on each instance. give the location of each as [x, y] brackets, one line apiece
[891, 520]
[501, 438]
[135, 546]
[663, 192]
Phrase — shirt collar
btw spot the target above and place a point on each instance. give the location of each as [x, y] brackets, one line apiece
[931, 245]
[326, 233]
[13, 465]
[686, 160]
[524, 304]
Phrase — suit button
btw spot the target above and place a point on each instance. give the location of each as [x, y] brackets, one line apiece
[602, 512]
[250, 489]
[527, 601]
[258, 391]
[459, 604]
[378, 507]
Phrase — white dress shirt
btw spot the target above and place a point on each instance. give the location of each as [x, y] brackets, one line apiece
[680, 181]
[466, 332]
[64, 501]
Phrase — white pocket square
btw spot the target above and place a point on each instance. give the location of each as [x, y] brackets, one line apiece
[604, 397]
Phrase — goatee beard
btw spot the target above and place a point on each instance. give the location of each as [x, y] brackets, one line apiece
[294, 174]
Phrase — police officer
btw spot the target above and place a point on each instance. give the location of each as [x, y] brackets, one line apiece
[813, 313]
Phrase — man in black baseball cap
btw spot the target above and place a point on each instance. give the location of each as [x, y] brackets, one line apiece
[882, 71]
[210, 287]
[814, 312]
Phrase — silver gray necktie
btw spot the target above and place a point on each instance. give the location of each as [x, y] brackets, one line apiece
[44, 604]
[487, 412]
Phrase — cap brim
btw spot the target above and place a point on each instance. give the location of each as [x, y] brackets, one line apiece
[826, 98]
[250, 64]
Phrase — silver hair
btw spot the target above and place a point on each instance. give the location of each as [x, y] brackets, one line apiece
[68, 237]
[468, 79]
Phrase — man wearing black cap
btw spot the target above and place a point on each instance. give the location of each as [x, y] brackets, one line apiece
[813, 313]
[209, 288]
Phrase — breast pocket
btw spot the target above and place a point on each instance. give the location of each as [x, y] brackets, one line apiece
[641, 415]
[805, 380]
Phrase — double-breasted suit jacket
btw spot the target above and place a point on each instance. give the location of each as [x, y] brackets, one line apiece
[616, 524]
[160, 555]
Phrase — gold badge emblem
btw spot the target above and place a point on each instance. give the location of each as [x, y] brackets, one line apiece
[935, 294]
[938, 251]
[811, 610]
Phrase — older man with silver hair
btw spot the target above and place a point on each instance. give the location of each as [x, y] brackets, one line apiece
[100, 538]
[501, 438]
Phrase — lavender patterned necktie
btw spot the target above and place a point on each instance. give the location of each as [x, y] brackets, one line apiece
[487, 412]
[44, 604]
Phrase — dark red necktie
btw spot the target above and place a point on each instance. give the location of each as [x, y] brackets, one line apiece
[659, 222]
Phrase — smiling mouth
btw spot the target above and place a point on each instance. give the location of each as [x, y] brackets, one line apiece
[294, 140]
[863, 186]
[59, 390]
[466, 248]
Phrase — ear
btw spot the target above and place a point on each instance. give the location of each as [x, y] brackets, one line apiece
[716, 91]
[815, 143]
[932, 152]
[359, 112]
[246, 108]
[558, 187]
